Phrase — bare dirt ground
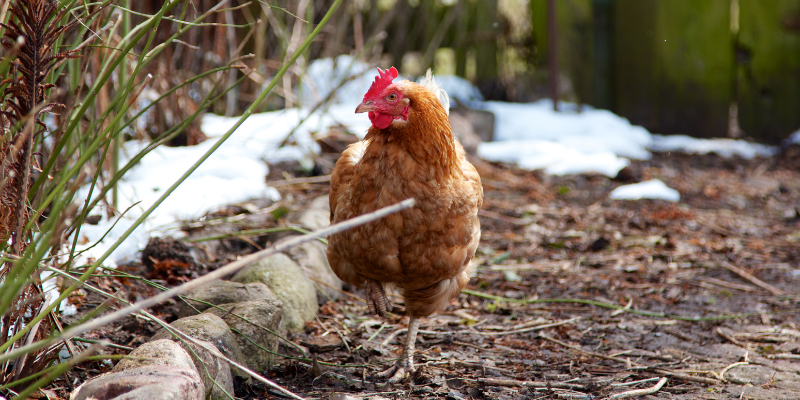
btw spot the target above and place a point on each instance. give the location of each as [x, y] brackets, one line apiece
[575, 295]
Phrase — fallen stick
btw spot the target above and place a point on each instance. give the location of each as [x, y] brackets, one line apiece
[297, 181]
[534, 384]
[639, 392]
[529, 329]
[728, 368]
[213, 275]
[590, 353]
[627, 362]
[758, 282]
[182, 336]
[687, 378]
[634, 382]
[729, 285]
[730, 338]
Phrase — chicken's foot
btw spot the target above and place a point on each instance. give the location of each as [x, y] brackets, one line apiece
[376, 298]
[405, 365]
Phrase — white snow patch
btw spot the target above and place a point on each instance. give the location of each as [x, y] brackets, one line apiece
[652, 189]
[794, 138]
[723, 147]
[565, 142]
[232, 174]
[51, 292]
[459, 89]
[346, 77]
[553, 157]
[235, 172]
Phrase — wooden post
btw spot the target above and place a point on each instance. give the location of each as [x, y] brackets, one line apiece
[603, 61]
[486, 38]
[552, 51]
[461, 41]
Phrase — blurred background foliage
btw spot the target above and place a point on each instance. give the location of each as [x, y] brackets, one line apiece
[707, 68]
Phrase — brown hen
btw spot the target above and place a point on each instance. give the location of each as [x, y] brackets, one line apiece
[425, 252]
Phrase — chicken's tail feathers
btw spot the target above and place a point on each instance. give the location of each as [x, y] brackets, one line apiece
[435, 298]
[429, 83]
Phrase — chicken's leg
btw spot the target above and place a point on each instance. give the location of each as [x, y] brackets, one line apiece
[377, 301]
[406, 362]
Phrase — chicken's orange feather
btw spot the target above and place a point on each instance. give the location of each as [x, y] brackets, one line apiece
[425, 251]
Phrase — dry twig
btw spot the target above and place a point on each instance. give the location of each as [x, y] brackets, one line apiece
[529, 329]
[639, 392]
[729, 285]
[535, 384]
[729, 367]
[626, 361]
[758, 282]
[729, 338]
[298, 181]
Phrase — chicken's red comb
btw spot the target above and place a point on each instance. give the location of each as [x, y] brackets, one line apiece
[383, 80]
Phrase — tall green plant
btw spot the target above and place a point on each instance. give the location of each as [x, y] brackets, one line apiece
[100, 108]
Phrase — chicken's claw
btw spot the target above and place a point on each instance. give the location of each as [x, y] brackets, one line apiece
[405, 365]
[376, 298]
[397, 373]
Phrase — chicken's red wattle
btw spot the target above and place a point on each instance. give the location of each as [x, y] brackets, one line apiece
[380, 120]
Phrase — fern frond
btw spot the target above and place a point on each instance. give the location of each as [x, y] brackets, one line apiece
[31, 33]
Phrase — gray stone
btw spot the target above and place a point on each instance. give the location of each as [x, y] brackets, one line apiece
[214, 372]
[465, 133]
[314, 219]
[289, 283]
[248, 320]
[750, 374]
[312, 258]
[158, 352]
[725, 351]
[210, 328]
[316, 216]
[788, 381]
[480, 121]
[320, 203]
[221, 292]
[149, 382]
[768, 392]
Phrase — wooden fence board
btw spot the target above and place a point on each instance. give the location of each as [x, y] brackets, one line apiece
[768, 69]
[674, 65]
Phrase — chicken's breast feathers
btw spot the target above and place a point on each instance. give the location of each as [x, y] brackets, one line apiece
[425, 251]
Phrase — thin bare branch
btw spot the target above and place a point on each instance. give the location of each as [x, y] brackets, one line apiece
[216, 274]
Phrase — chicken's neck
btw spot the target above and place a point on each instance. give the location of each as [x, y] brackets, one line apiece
[430, 142]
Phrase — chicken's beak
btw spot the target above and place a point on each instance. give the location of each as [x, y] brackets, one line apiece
[365, 107]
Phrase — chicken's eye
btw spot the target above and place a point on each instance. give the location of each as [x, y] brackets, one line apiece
[392, 96]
